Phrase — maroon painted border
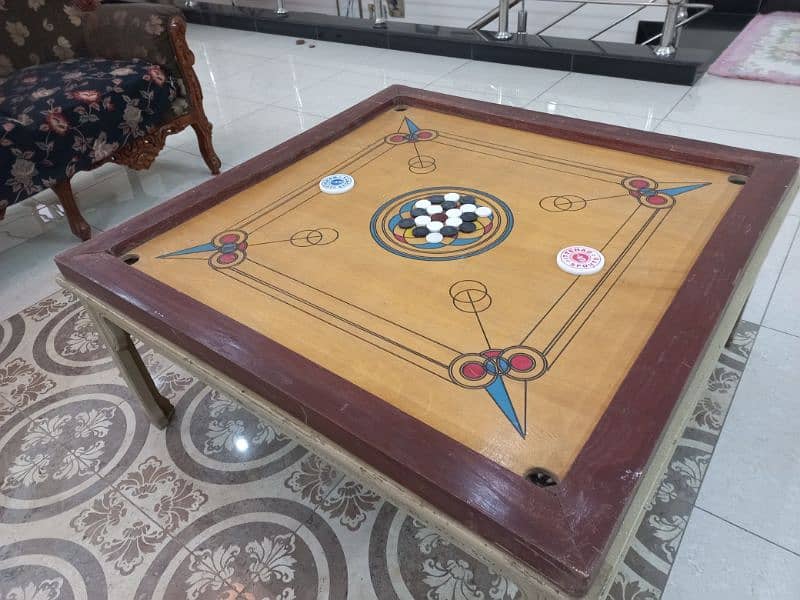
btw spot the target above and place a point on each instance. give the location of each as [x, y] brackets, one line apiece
[561, 532]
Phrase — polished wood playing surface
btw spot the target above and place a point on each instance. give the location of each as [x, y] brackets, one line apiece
[483, 338]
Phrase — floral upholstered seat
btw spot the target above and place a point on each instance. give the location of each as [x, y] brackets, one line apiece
[60, 118]
[83, 83]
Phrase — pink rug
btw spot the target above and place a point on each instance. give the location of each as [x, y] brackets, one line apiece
[768, 49]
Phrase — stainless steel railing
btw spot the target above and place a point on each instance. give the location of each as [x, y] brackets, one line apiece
[677, 16]
[490, 16]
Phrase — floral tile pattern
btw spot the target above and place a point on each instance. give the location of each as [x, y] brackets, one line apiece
[649, 558]
[122, 535]
[22, 383]
[97, 504]
[336, 496]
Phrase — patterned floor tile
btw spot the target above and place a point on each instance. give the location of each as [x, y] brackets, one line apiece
[39, 477]
[124, 538]
[83, 549]
[408, 559]
[214, 439]
[53, 345]
[264, 548]
[48, 569]
[70, 439]
[184, 576]
[221, 505]
[12, 332]
[23, 383]
[228, 487]
[7, 408]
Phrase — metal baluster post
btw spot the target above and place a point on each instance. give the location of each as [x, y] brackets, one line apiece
[381, 14]
[281, 10]
[682, 14]
[666, 46]
[502, 22]
[522, 21]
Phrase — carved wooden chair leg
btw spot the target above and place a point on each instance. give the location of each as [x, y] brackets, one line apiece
[77, 223]
[203, 131]
[200, 123]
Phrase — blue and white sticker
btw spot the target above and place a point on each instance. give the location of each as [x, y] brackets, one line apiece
[338, 183]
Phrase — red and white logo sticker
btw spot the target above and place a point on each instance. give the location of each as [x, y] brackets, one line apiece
[580, 260]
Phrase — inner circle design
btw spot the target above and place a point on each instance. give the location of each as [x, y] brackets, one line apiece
[563, 203]
[525, 363]
[470, 296]
[645, 190]
[231, 249]
[470, 371]
[423, 135]
[422, 164]
[479, 370]
[314, 237]
[488, 232]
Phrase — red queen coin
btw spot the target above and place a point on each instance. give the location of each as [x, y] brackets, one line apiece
[580, 260]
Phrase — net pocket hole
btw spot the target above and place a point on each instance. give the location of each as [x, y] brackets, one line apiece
[130, 259]
[541, 477]
[737, 179]
[400, 108]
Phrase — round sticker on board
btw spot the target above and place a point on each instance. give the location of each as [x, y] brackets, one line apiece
[338, 183]
[580, 260]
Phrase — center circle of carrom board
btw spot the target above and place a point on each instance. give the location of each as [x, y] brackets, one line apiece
[491, 231]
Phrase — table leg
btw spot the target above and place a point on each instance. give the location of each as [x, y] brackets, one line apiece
[736, 323]
[131, 367]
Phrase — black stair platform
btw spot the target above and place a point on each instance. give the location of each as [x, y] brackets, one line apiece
[615, 59]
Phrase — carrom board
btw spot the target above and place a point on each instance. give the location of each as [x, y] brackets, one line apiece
[521, 401]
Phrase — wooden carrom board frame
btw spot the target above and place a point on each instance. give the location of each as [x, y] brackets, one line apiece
[554, 541]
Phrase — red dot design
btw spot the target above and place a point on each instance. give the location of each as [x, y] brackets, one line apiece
[472, 370]
[521, 362]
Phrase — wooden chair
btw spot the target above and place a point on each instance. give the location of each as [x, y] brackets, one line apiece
[83, 84]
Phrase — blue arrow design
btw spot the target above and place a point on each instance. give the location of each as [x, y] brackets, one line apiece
[207, 247]
[682, 189]
[412, 128]
[497, 390]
